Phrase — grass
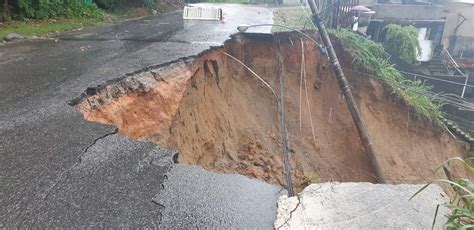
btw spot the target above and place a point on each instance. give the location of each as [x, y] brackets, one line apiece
[309, 178]
[370, 57]
[294, 17]
[49, 26]
[44, 27]
[462, 205]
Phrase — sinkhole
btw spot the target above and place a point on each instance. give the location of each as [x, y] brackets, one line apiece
[218, 115]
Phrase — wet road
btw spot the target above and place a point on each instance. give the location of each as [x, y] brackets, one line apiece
[57, 170]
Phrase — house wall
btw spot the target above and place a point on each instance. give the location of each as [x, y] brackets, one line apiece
[367, 2]
[407, 12]
[462, 40]
[458, 41]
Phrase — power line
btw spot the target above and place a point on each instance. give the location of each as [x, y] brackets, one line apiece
[438, 96]
[468, 127]
[437, 79]
[435, 96]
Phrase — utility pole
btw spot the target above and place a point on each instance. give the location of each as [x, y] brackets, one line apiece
[344, 86]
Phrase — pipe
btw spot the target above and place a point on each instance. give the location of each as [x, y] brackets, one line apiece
[465, 84]
[284, 135]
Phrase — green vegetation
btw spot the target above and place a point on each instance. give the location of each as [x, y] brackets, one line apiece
[294, 17]
[462, 206]
[370, 57]
[309, 178]
[110, 4]
[43, 9]
[43, 17]
[402, 41]
[123, 4]
[228, 1]
[44, 27]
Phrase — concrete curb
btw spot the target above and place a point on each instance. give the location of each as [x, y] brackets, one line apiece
[361, 206]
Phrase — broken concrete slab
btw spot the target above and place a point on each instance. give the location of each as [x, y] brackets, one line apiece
[361, 206]
[195, 198]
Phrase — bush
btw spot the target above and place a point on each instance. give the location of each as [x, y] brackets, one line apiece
[370, 57]
[402, 41]
[150, 4]
[110, 4]
[42, 9]
[116, 4]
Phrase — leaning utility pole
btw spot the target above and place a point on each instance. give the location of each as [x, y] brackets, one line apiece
[343, 85]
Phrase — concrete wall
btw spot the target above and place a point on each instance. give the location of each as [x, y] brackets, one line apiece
[407, 12]
[460, 45]
[367, 2]
[463, 39]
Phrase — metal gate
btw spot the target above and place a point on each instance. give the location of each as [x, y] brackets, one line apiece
[337, 13]
[199, 13]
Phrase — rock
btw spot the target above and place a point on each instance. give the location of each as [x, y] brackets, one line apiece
[84, 48]
[361, 206]
[14, 36]
[154, 12]
[232, 155]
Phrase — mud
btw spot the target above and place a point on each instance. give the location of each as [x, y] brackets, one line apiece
[219, 116]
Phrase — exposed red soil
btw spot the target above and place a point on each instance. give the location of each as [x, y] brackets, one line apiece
[221, 117]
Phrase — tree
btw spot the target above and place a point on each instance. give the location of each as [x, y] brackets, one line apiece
[6, 11]
[402, 41]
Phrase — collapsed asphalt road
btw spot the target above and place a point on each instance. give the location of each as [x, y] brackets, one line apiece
[57, 170]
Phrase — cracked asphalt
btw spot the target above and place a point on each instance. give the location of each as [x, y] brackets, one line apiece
[57, 170]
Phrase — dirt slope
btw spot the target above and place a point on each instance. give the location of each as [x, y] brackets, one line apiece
[221, 117]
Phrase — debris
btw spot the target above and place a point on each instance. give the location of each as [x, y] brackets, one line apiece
[14, 36]
[84, 48]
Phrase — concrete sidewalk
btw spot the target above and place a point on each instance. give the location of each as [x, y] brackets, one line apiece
[361, 206]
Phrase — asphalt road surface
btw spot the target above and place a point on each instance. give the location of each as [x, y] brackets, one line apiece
[57, 170]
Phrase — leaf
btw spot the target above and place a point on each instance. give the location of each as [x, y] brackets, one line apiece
[420, 190]
[442, 181]
[435, 216]
[471, 169]
[467, 226]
